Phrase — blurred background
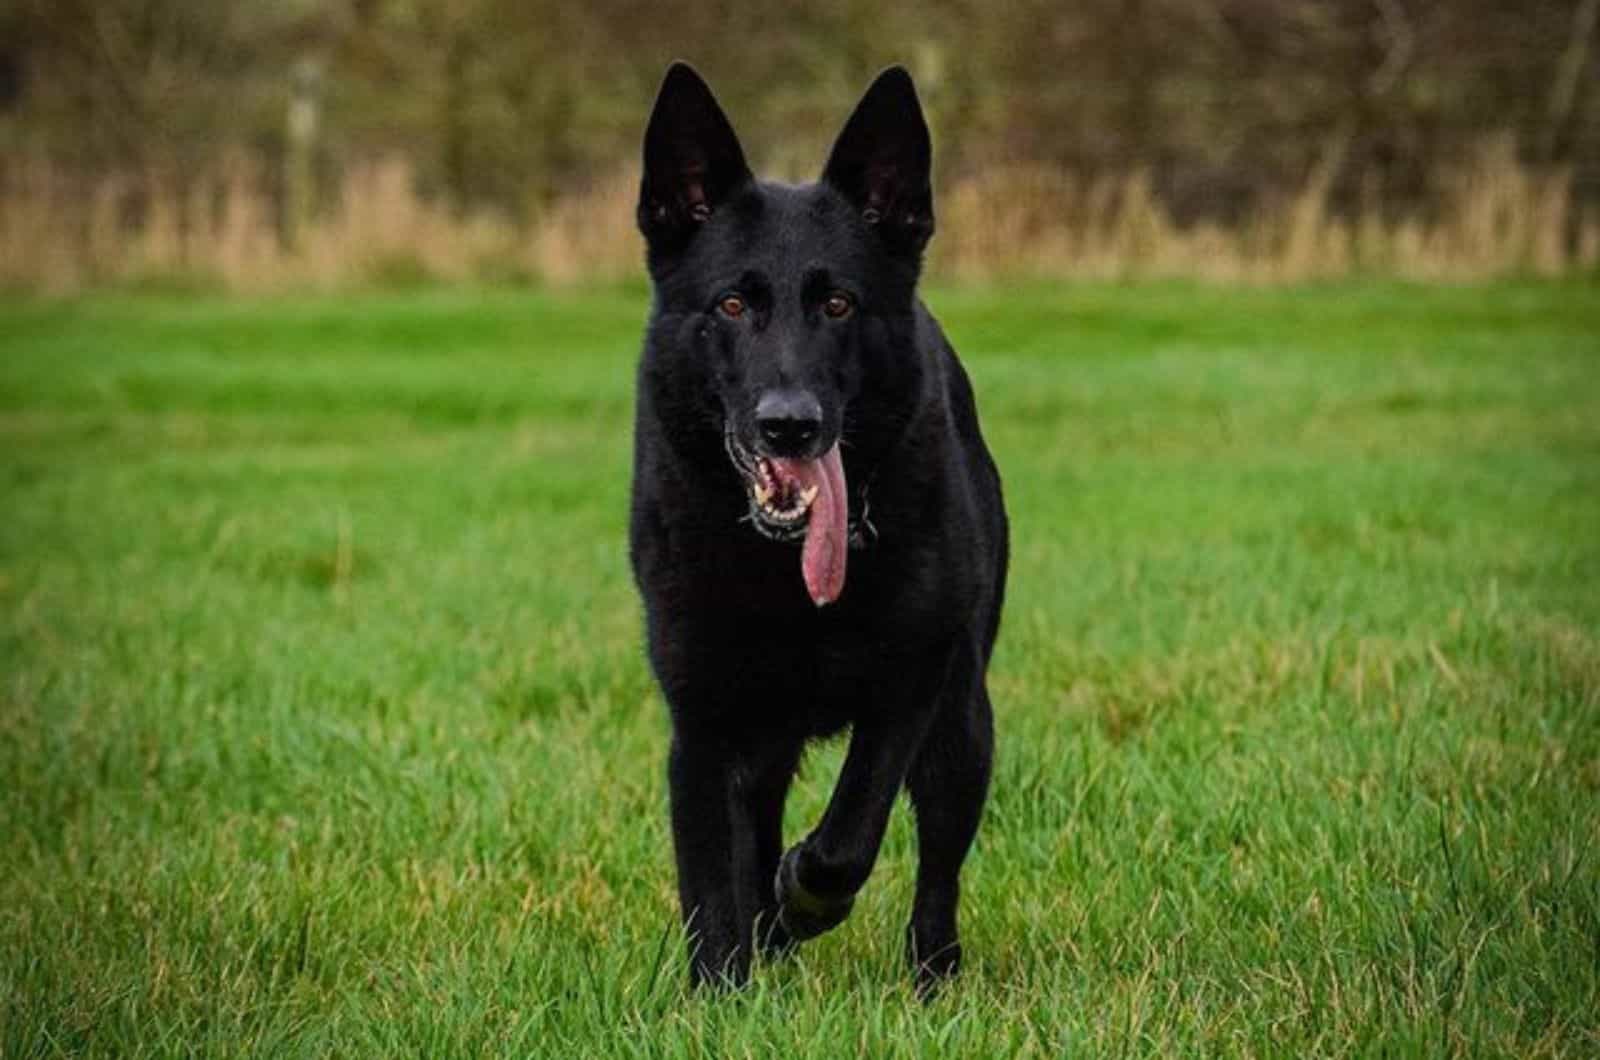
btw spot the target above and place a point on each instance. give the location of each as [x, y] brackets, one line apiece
[325, 142]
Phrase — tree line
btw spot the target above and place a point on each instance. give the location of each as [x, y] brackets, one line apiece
[505, 105]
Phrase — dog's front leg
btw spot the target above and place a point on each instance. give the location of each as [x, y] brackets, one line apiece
[818, 878]
[700, 776]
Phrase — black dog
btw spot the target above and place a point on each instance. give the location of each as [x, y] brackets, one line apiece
[800, 412]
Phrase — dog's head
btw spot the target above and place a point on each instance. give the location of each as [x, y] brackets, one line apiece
[784, 315]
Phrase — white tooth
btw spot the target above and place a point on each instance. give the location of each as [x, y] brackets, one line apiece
[807, 496]
[762, 494]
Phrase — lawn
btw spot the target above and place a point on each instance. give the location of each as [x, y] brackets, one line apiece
[325, 726]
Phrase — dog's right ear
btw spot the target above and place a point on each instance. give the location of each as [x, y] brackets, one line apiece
[692, 160]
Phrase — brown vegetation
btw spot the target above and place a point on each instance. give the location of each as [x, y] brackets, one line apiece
[332, 141]
[1493, 217]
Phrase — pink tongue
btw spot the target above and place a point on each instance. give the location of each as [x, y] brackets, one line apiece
[823, 557]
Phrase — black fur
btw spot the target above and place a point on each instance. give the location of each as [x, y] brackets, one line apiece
[751, 668]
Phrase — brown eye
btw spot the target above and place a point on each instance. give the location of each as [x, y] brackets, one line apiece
[838, 305]
[732, 306]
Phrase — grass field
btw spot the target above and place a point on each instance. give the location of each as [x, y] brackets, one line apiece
[325, 728]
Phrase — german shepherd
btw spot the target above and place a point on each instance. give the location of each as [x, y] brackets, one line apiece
[817, 528]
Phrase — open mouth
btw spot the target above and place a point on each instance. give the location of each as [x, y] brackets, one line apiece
[780, 502]
[800, 500]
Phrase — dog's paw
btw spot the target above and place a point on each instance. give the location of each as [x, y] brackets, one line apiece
[713, 974]
[802, 914]
[773, 941]
[933, 968]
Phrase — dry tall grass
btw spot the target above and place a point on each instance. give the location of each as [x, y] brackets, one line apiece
[1492, 216]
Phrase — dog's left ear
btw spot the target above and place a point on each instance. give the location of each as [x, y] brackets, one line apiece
[882, 159]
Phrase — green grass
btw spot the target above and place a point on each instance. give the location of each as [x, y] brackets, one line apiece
[324, 725]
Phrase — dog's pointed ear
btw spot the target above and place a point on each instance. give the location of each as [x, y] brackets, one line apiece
[692, 159]
[882, 160]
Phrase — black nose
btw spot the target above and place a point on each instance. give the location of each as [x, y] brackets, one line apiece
[788, 421]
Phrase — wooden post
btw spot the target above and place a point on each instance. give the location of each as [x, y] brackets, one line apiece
[299, 185]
